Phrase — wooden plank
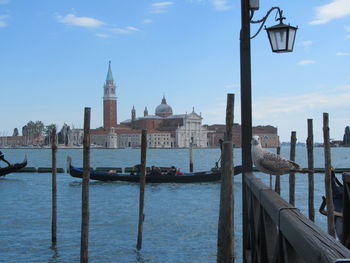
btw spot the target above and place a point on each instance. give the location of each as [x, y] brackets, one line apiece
[142, 188]
[328, 176]
[310, 166]
[225, 250]
[309, 241]
[278, 178]
[293, 141]
[85, 212]
[54, 188]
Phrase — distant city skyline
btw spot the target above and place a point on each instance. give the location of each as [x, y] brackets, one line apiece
[55, 55]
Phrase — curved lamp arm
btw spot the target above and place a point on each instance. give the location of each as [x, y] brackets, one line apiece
[263, 20]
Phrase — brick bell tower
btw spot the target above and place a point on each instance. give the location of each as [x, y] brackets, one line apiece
[109, 101]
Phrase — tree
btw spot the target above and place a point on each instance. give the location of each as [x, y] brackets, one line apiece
[346, 138]
[15, 132]
[48, 131]
[63, 135]
[32, 130]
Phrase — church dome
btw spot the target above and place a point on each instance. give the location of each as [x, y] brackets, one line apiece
[164, 110]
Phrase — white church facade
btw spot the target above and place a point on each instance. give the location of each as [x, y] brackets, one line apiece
[164, 129]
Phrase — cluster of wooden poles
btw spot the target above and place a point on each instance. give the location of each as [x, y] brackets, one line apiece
[226, 196]
[225, 251]
[311, 170]
[226, 233]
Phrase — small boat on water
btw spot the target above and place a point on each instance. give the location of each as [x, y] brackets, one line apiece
[337, 192]
[197, 177]
[13, 167]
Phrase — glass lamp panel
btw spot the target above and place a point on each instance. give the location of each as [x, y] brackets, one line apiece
[291, 38]
[278, 39]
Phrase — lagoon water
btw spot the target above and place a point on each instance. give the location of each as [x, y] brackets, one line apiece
[180, 219]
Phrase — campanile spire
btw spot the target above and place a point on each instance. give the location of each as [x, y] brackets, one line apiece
[109, 101]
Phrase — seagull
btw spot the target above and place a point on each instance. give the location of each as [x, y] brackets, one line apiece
[270, 162]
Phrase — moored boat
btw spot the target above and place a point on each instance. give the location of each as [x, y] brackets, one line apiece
[197, 177]
[337, 193]
[13, 167]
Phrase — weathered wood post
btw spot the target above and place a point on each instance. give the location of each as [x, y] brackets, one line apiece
[225, 250]
[54, 188]
[328, 175]
[278, 179]
[85, 213]
[142, 188]
[310, 166]
[191, 155]
[293, 141]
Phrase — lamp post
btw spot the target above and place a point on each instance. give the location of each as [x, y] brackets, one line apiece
[281, 38]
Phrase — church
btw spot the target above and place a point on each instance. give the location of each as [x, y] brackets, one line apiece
[164, 129]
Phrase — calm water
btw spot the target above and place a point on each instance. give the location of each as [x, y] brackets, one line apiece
[181, 220]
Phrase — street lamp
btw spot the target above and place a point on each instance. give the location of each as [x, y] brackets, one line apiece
[281, 38]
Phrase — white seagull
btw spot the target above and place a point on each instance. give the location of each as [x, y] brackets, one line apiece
[269, 162]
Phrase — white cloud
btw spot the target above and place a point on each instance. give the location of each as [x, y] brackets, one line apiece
[102, 35]
[125, 30]
[334, 10]
[345, 87]
[231, 86]
[147, 21]
[2, 22]
[343, 54]
[160, 7]
[221, 5]
[81, 21]
[306, 62]
[307, 43]
[294, 104]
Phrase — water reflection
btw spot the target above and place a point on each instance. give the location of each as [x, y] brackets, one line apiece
[139, 257]
[55, 258]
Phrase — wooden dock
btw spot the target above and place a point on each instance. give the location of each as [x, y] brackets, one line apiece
[277, 232]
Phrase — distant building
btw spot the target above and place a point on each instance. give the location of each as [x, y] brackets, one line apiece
[268, 135]
[15, 141]
[165, 129]
[182, 128]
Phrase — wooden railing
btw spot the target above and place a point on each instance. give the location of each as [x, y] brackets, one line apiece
[277, 232]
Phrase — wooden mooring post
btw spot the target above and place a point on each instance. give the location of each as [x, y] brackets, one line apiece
[310, 166]
[278, 179]
[328, 176]
[191, 155]
[142, 188]
[85, 213]
[225, 249]
[54, 188]
[293, 141]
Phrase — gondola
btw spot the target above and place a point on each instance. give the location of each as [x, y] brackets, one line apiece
[13, 167]
[198, 177]
[337, 192]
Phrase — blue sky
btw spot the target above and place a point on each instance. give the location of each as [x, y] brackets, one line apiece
[54, 58]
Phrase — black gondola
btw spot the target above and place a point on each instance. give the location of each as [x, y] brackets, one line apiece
[337, 192]
[198, 177]
[13, 167]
